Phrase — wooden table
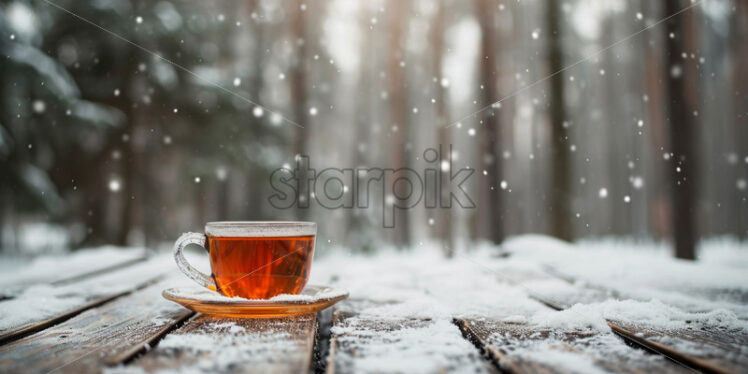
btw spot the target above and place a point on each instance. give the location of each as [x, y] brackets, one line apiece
[113, 319]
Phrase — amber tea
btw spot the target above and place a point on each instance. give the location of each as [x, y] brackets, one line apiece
[259, 268]
[255, 260]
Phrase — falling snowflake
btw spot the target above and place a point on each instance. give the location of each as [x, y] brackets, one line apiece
[221, 173]
[389, 200]
[313, 111]
[138, 19]
[237, 82]
[637, 182]
[197, 179]
[676, 71]
[257, 111]
[39, 106]
[275, 119]
[114, 185]
[603, 193]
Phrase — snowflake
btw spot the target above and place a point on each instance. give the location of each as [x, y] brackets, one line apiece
[39, 106]
[603, 193]
[676, 71]
[741, 184]
[114, 185]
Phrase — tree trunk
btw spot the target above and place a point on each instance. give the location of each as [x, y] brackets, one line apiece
[682, 79]
[491, 210]
[358, 227]
[397, 98]
[299, 101]
[560, 199]
[253, 208]
[444, 224]
[739, 48]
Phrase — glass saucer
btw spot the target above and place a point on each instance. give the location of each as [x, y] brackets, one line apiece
[202, 300]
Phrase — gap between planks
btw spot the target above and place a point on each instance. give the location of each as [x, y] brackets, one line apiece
[228, 345]
[634, 336]
[26, 330]
[108, 335]
[18, 287]
[146, 270]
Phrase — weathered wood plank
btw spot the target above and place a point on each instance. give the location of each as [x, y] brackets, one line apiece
[92, 340]
[229, 345]
[41, 306]
[710, 351]
[708, 348]
[519, 348]
[69, 269]
[368, 344]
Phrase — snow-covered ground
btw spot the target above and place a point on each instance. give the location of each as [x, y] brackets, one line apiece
[652, 289]
[647, 285]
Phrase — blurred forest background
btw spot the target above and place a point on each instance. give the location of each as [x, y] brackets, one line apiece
[102, 142]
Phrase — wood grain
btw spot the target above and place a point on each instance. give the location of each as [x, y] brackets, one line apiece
[67, 270]
[712, 350]
[105, 335]
[519, 348]
[78, 297]
[229, 345]
[709, 351]
[381, 345]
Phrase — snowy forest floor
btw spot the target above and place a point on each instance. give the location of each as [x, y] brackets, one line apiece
[535, 303]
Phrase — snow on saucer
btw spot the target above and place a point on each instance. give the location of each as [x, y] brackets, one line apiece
[310, 294]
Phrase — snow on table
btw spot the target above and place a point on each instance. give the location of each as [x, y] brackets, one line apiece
[59, 269]
[42, 305]
[536, 304]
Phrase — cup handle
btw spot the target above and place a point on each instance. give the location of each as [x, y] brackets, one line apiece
[183, 241]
